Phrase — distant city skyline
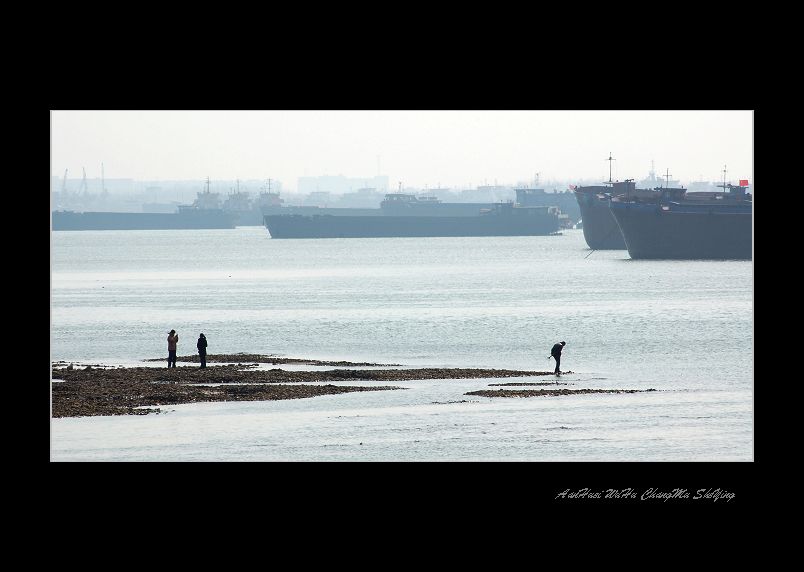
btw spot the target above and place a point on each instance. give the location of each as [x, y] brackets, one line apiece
[417, 148]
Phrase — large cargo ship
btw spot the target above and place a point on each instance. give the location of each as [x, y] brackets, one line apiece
[600, 229]
[681, 225]
[187, 217]
[399, 204]
[403, 215]
[205, 212]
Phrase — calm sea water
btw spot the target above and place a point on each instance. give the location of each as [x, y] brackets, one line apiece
[684, 328]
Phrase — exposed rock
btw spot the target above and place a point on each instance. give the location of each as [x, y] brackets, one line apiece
[120, 390]
[547, 392]
[95, 394]
[553, 383]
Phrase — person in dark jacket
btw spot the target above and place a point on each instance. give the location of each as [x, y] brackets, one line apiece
[556, 353]
[173, 339]
[202, 349]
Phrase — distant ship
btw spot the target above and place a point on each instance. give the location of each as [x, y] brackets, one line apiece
[399, 204]
[203, 213]
[565, 201]
[250, 212]
[652, 181]
[403, 204]
[600, 228]
[678, 224]
[243, 210]
[187, 217]
[701, 186]
[404, 215]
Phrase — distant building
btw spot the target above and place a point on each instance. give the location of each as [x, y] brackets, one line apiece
[362, 198]
[487, 193]
[170, 207]
[318, 199]
[341, 184]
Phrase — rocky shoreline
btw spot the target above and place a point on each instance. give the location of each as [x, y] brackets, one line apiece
[108, 390]
[88, 391]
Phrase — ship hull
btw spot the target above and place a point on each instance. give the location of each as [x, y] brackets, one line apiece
[712, 232]
[327, 226]
[600, 228]
[313, 211]
[67, 220]
[437, 210]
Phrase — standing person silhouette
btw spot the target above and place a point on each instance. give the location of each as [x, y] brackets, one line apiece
[172, 339]
[202, 349]
[556, 353]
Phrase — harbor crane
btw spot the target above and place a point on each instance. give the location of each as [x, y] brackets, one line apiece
[83, 188]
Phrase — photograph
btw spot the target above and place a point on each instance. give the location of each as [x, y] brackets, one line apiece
[404, 285]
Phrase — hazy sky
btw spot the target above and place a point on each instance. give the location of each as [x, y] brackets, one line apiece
[419, 148]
